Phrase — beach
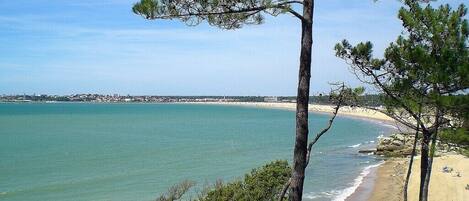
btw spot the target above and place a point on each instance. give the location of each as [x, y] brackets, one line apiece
[443, 185]
[344, 111]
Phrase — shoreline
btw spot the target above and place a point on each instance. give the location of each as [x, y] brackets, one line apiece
[390, 176]
[385, 183]
[361, 187]
[345, 111]
[364, 185]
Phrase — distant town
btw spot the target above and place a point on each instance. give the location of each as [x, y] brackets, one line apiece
[115, 98]
[370, 100]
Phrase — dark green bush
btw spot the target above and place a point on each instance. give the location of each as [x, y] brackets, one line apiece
[458, 136]
[260, 184]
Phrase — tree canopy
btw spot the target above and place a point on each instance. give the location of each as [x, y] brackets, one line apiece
[424, 75]
[428, 64]
[219, 13]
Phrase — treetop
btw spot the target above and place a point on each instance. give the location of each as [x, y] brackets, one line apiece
[225, 14]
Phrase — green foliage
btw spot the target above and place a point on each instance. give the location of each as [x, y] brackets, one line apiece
[223, 14]
[465, 152]
[456, 136]
[176, 191]
[261, 184]
[457, 106]
[345, 95]
[427, 65]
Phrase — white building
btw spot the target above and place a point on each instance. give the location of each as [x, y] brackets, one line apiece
[271, 99]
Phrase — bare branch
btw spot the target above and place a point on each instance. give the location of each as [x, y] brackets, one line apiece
[340, 101]
[329, 125]
[293, 12]
[177, 191]
[284, 190]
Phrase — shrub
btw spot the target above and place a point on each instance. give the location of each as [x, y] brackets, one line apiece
[260, 184]
[458, 136]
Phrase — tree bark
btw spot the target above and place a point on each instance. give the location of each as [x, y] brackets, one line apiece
[424, 164]
[434, 135]
[414, 150]
[302, 100]
[409, 170]
[428, 173]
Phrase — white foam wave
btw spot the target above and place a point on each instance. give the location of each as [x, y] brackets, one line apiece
[388, 125]
[355, 145]
[325, 194]
[345, 193]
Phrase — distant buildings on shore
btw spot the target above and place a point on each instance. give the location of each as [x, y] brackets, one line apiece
[369, 100]
[127, 98]
[271, 99]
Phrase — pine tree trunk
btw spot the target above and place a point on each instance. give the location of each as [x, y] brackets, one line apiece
[301, 141]
[434, 136]
[423, 193]
[411, 162]
[426, 183]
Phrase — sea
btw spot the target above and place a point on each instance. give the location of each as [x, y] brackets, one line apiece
[135, 152]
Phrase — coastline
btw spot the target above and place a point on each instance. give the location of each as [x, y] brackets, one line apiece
[364, 185]
[384, 184]
[347, 111]
[385, 180]
[390, 176]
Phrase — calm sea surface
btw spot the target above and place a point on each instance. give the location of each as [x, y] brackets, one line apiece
[75, 151]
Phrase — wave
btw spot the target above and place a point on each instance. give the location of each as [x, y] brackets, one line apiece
[345, 193]
[325, 194]
[355, 145]
[388, 125]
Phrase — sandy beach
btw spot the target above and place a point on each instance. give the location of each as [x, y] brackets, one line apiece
[443, 186]
[344, 111]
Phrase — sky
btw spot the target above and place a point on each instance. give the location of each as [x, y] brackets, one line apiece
[86, 46]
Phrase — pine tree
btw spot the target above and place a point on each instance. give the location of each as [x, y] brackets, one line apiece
[423, 76]
[233, 14]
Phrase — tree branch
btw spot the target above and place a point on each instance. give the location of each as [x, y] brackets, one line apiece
[331, 120]
[284, 190]
[322, 132]
[293, 12]
[280, 5]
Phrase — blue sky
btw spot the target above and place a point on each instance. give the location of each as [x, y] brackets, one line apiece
[89, 46]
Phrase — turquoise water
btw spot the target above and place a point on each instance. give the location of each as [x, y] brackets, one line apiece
[76, 151]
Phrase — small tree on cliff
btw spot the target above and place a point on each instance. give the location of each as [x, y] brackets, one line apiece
[424, 74]
[233, 14]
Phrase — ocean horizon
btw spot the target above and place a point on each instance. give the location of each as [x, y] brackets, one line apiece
[125, 151]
